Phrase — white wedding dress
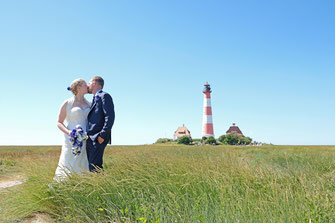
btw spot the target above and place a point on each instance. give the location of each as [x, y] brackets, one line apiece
[68, 163]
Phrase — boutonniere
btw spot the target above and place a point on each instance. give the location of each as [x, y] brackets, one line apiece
[98, 96]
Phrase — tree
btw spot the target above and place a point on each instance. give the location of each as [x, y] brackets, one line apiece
[249, 140]
[184, 140]
[245, 140]
[231, 139]
[234, 139]
[222, 138]
[211, 140]
[203, 139]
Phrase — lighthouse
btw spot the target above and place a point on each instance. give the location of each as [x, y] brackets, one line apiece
[207, 121]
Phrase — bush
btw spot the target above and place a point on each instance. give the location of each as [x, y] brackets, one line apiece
[164, 140]
[231, 139]
[184, 140]
[234, 139]
[211, 140]
[245, 140]
[222, 138]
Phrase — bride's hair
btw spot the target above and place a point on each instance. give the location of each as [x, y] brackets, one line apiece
[75, 84]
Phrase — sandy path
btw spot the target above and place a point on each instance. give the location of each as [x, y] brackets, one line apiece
[7, 184]
[39, 218]
[10, 181]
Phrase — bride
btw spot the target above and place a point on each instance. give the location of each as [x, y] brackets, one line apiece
[74, 111]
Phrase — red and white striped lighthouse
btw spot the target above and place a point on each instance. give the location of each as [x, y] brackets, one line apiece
[207, 121]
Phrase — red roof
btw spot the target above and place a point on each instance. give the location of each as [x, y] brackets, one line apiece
[234, 129]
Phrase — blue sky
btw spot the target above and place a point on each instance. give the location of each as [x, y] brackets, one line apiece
[270, 65]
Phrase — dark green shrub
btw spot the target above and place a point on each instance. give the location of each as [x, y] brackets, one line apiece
[245, 140]
[184, 140]
[231, 139]
[211, 140]
[222, 138]
[234, 139]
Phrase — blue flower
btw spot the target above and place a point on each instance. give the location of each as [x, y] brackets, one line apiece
[97, 96]
[72, 134]
[76, 137]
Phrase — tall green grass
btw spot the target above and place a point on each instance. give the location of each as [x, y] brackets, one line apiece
[185, 184]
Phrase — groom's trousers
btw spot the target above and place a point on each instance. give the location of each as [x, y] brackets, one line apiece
[95, 152]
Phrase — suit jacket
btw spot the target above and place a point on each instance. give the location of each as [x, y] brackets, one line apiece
[101, 118]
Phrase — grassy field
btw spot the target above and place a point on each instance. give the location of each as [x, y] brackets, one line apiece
[175, 183]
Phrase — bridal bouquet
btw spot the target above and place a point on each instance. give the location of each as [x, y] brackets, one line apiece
[77, 137]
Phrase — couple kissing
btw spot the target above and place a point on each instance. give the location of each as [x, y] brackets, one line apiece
[88, 128]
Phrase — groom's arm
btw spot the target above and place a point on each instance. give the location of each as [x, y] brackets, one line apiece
[108, 109]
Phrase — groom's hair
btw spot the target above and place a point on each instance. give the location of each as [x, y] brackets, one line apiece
[99, 81]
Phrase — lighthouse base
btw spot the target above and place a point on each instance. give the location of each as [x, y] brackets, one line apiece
[207, 136]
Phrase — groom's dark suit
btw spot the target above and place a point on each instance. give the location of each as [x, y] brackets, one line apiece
[100, 122]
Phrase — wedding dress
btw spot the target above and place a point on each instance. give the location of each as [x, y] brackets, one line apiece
[68, 163]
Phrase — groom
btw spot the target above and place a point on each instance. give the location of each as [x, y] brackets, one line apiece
[100, 121]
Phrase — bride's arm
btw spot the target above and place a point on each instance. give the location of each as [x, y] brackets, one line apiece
[61, 118]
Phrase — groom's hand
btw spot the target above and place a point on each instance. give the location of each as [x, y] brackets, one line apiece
[100, 140]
